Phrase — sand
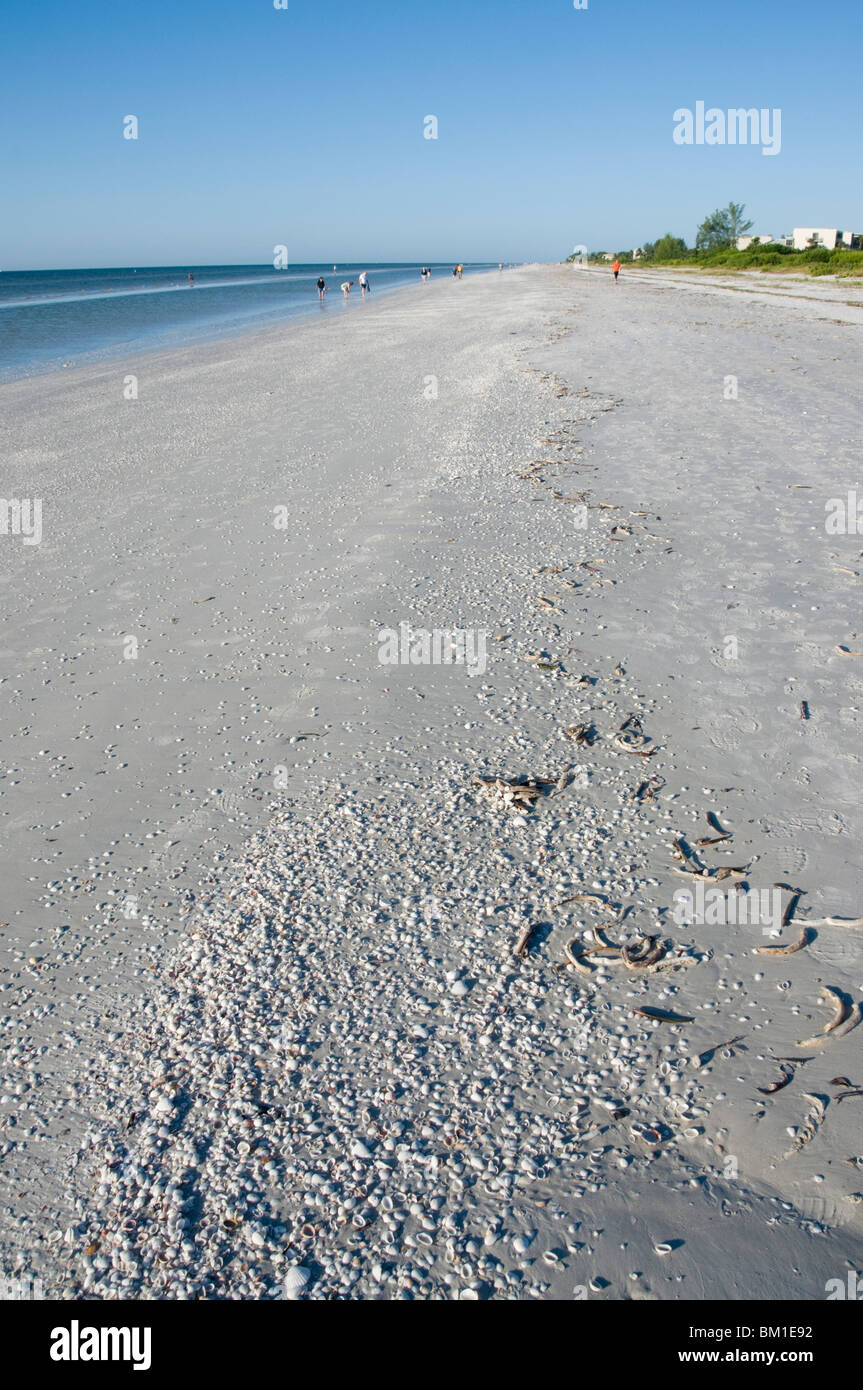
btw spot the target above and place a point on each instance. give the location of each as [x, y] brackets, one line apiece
[393, 449]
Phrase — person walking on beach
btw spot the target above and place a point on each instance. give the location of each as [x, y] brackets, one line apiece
[616, 269]
[460, 269]
[364, 282]
[346, 286]
[322, 288]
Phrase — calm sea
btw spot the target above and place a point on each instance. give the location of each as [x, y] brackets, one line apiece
[50, 319]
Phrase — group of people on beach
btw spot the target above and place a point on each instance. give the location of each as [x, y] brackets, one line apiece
[346, 286]
[363, 281]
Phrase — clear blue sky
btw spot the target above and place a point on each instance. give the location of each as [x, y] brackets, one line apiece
[305, 126]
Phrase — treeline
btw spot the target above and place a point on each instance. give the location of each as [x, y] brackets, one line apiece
[715, 248]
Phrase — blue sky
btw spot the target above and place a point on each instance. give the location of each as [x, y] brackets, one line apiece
[305, 126]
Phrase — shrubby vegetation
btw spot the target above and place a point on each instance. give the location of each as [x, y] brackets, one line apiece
[715, 250]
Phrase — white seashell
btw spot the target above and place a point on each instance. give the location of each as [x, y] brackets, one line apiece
[468, 1296]
[296, 1280]
[663, 1248]
[459, 989]
[359, 1149]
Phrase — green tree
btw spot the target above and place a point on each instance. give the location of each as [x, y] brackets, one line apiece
[722, 228]
[669, 248]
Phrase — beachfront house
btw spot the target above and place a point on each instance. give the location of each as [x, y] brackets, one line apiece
[831, 237]
[744, 241]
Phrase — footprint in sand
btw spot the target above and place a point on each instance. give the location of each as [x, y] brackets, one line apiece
[792, 859]
[837, 949]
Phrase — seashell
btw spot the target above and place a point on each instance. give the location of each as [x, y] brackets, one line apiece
[468, 1296]
[295, 1282]
[663, 1248]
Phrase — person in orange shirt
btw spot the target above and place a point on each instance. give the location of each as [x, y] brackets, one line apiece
[616, 269]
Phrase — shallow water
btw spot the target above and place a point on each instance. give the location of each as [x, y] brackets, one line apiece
[57, 318]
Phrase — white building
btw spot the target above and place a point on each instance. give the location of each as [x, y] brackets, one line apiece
[831, 237]
[744, 241]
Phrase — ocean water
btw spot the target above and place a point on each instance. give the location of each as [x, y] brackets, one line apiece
[50, 319]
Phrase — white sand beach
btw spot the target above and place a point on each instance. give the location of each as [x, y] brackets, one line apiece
[261, 1006]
